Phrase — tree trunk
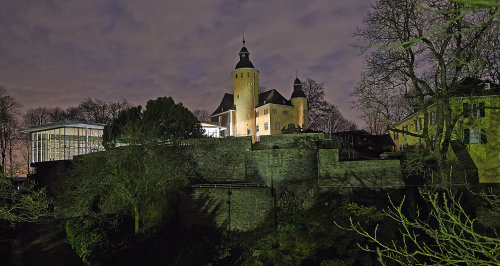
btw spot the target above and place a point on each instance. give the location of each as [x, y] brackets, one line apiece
[136, 219]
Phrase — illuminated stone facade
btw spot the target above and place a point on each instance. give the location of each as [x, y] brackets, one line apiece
[247, 112]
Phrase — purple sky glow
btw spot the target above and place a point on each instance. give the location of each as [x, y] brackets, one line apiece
[57, 52]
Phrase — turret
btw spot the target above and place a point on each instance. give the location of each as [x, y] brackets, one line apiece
[246, 94]
[299, 103]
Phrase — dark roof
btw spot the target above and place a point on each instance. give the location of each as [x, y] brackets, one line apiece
[360, 132]
[475, 87]
[226, 104]
[272, 96]
[244, 59]
[298, 93]
[297, 89]
[467, 87]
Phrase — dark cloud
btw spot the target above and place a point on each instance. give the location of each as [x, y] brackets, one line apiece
[57, 52]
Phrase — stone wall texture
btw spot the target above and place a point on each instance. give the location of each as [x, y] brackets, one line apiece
[349, 175]
[288, 161]
[281, 166]
[218, 160]
[241, 209]
[290, 141]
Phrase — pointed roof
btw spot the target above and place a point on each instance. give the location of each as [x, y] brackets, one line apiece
[244, 58]
[272, 96]
[226, 104]
[297, 89]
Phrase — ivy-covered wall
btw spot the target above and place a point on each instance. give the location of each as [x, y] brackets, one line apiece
[281, 166]
[290, 141]
[346, 176]
[240, 209]
[218, 160]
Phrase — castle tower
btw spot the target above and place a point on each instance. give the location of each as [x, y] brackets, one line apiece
[299, 103]
[246, 94]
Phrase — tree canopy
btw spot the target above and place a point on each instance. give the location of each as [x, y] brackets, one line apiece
[418, 52]
[162, 120]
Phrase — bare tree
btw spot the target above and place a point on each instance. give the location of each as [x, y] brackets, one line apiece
[322, 115]
[91, 111]
[380, 104]
[201, 115]
[315, 95]
[58, 114]
[424, 48]
[37, 116]
[9, 108]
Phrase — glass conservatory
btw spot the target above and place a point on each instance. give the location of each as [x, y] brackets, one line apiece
[64, 140]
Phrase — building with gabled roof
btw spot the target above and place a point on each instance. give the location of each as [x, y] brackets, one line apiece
[475, 140]
[246, 112]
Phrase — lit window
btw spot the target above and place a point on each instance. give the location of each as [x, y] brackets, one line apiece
[433, 117]
[275, 111]
[266, 126]
[418, 124]
[475, 136]
[266, 111]
[277, 126]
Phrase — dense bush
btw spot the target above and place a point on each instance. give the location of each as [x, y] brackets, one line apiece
[89, 237]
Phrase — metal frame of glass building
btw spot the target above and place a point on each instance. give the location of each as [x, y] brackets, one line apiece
[64, 140]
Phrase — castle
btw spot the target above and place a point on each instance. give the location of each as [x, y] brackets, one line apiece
[247, 112]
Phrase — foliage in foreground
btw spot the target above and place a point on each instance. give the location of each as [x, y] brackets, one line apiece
[448, 235]
[89, 237]
[307, 235]
[24, 203]
[139, 181]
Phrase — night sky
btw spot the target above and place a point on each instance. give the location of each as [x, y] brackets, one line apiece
[57, 52]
